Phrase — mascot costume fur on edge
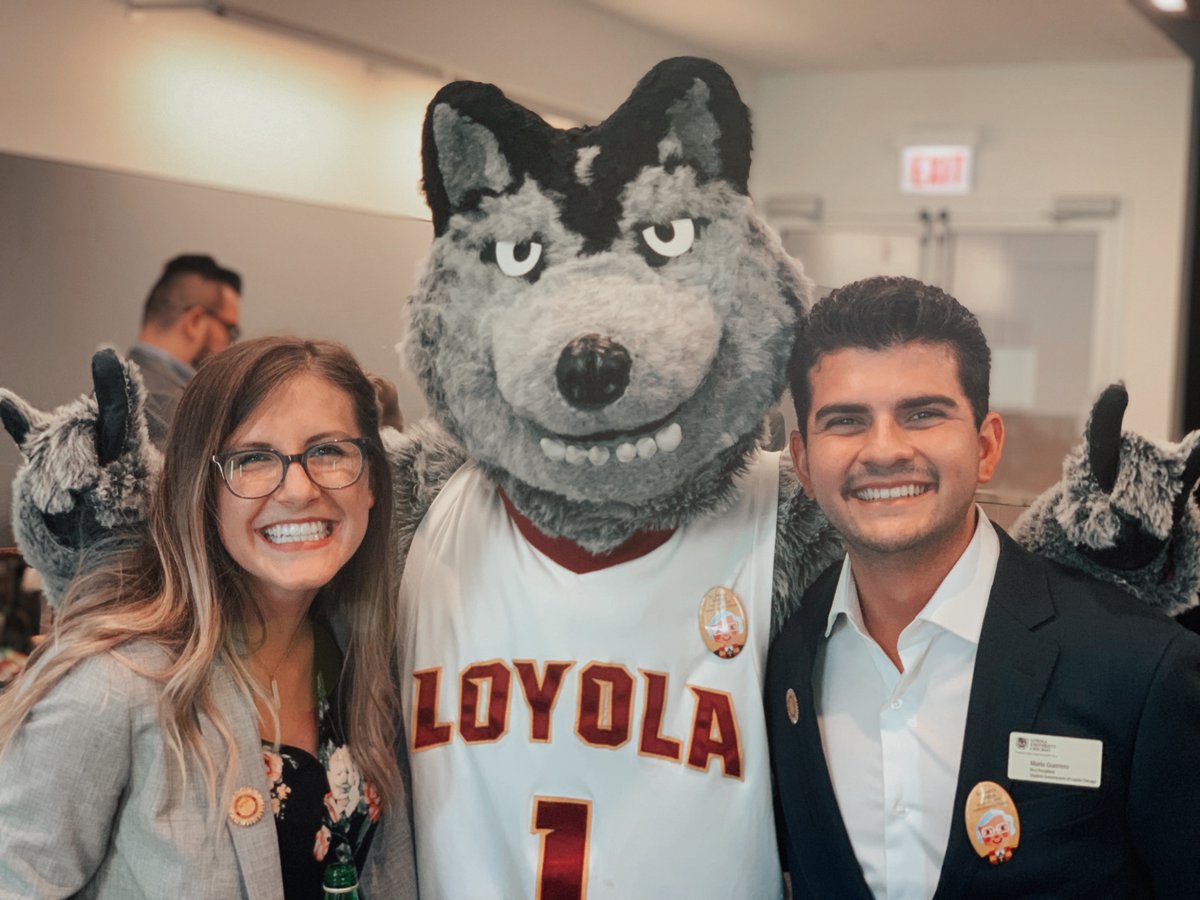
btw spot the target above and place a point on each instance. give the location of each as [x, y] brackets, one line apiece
[595, 551]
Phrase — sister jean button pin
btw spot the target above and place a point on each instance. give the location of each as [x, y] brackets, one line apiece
[723, 624]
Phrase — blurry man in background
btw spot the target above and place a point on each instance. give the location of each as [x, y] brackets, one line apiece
[192, 312]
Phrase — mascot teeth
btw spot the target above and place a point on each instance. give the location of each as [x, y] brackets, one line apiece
[667, 440]
[555, 450]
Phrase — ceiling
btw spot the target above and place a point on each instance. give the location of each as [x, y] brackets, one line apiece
[794, 35]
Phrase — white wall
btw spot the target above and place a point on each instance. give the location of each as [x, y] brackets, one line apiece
[80, 247]
[176, 125]
[1045, 130]
[184, 95]
[571, 54]
[189, 97]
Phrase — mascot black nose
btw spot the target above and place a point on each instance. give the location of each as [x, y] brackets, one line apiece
[592, 371]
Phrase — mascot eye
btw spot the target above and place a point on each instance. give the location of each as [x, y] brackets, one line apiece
[674, 239]
[517, 260]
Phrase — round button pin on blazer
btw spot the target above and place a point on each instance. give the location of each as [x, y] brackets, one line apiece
[246, 808]
[723, 622]
[793, 706]
[992, 822]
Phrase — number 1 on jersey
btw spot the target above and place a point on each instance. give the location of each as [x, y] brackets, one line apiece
[564, 824]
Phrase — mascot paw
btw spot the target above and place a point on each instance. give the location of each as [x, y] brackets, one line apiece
[1124, 510]
[88, 468]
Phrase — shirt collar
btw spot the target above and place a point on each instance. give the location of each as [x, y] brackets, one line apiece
[183, 369]
[845, 602]
[960, 601]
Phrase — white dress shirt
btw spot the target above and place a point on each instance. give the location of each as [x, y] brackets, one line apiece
[893, 740]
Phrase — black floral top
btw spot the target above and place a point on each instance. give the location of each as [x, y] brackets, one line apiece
[324, 811]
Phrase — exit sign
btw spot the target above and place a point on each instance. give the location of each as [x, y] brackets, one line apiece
[936, 169]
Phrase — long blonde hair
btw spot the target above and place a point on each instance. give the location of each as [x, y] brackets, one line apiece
[182, 591]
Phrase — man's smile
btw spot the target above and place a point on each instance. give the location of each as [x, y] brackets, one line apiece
[890, 493]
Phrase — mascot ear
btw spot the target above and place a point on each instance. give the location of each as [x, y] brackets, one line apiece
[707, 125]
[1104, 435]
[684, 112]
[467, 149]
[468, 156]
[114, 401]
[19, 418]
[1104, 450]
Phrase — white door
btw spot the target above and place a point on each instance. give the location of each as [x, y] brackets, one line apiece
[1039, 290]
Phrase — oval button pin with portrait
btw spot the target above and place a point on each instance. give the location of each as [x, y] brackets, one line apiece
[793, 706]
[993, 825]
[723, 623]
[246, 807]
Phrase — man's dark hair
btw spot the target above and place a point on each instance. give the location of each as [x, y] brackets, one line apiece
[230, 278]
[883, 312]
[163, 305]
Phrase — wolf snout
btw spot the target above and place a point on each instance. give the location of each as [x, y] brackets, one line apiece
[592, 371]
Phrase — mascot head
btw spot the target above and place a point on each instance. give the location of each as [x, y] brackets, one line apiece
[604, 320]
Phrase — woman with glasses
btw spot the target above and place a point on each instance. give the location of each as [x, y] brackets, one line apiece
[192, 727]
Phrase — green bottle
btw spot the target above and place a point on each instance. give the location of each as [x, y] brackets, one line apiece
[341, 881]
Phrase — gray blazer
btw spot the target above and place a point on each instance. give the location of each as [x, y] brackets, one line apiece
[87, 808]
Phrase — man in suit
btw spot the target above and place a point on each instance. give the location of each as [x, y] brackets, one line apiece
[951, 716]
[192, 312]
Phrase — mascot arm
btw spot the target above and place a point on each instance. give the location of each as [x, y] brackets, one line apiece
[1124, 510]
[88, 470]
[423, 457]
[805, 545]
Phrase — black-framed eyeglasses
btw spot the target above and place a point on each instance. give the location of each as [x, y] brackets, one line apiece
[233, 331]
[251, 474]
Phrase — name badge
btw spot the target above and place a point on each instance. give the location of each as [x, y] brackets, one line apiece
[1052, 759]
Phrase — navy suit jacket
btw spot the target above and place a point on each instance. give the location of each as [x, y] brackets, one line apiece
[1059, 654]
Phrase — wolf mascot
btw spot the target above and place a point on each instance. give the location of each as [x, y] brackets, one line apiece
[595, 552]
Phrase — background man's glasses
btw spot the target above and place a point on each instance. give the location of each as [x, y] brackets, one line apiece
[251, 474]
[234, 331]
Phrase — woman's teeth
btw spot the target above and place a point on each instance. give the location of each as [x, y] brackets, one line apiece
[666, 439]
[294, 532]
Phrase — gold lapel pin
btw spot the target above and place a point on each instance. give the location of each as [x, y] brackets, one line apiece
[247, 806]
[793, 706]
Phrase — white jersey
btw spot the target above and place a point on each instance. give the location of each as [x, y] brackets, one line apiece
[573, 735]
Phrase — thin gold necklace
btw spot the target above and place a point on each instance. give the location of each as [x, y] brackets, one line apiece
[286, 653]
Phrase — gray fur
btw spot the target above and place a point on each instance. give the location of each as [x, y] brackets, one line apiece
[468, 155]
[423, 458]
[61, 475]
[601, 526]
[585, 157]
[1077, 513]
[694, 131]
[805, 545]
[710, 334]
